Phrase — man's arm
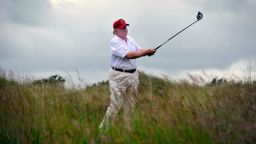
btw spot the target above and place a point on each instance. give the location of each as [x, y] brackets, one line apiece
[140, 53]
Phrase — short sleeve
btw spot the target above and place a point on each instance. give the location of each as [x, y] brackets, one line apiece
[118, 49]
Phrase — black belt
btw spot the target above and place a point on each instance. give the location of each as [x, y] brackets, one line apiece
[121, 70]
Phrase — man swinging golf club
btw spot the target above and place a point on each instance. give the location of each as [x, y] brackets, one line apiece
[123, 75]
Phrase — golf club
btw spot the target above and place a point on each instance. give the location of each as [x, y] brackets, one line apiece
[199, 17]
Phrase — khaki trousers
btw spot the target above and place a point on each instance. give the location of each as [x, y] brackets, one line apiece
[123, 89]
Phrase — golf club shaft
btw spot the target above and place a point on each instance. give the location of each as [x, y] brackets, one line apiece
[176, 34]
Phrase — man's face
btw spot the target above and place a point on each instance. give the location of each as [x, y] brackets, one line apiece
[122, 32]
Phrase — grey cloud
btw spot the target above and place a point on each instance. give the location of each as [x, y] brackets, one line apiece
[234, 6]
[51, 49]
[27, 12]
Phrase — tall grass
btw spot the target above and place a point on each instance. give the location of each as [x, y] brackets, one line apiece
[166, 112]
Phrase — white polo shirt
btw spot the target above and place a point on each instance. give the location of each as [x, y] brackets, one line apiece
[119, 49]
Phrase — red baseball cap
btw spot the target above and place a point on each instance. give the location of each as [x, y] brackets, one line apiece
[120, 24]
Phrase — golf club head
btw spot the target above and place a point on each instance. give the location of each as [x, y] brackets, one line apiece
[199, 16]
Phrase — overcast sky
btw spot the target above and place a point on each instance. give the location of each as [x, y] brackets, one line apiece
[71, 37]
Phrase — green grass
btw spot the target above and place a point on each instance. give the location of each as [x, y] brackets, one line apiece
[166, 112]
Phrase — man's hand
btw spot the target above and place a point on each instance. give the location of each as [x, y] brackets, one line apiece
[150, 52]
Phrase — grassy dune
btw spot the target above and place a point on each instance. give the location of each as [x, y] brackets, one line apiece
[166, 112]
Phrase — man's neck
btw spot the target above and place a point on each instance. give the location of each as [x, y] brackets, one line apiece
[124, 38]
